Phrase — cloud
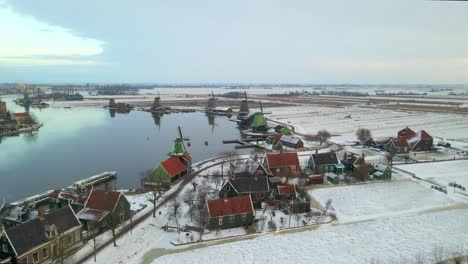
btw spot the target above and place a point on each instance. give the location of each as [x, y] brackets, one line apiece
[27, 41]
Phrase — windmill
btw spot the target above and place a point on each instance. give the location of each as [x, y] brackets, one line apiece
[244, 108]
[179, 149]
[259, 122]
[211, 103]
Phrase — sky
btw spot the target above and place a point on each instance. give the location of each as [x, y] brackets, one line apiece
[242, 41]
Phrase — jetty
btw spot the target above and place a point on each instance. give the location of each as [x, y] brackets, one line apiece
[88, 183]
[245, 143]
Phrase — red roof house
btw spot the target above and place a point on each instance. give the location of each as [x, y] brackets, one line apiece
[406, 133]
[174, 166]
[104, 208]
[286, 190]
[284, 164]
[230, 212]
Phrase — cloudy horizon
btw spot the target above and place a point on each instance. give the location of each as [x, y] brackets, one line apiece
[365, 42]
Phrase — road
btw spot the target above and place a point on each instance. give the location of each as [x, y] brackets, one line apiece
[185, 180]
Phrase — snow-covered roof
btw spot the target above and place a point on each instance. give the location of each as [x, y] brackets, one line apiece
[381, 167]
[88, 214]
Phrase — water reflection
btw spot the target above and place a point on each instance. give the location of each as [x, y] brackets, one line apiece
[80, 142]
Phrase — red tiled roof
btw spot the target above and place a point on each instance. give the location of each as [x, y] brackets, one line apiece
[286, 189]
[400, 143]
[406, 133]
[285, 159]
[230, 206]
[276, 139]
[102, 200]
[21, 115]
[173, 166]
[187, 157]
[425, 135]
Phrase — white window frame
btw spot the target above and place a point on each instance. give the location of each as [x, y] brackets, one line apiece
[122, 217]
[37, 254]
[232, 219]
[46, 255]
[5, 248]
[220, 220]
[244, 217]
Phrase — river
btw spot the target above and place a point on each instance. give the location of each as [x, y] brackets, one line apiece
[79, 142]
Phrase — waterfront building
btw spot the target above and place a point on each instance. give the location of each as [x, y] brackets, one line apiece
[103, 210]
[42, 240]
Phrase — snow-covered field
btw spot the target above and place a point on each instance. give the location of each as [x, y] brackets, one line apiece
[310, 119]
[373, 200]
[441, 172]
[393, 240]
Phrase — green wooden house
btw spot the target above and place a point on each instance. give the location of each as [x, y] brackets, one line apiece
[230, 213]
[382, 172]
[320, 163]
[104, 209]
[397, 146]
[176, 166]
[257, 188]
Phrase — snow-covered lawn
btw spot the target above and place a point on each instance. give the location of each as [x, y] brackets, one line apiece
[367, 201]
[441, 172]
[381, 122]
[392, 240]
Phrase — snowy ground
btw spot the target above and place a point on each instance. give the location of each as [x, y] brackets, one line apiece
[392, 240]
[367, 201]
[441, 172]
[310, 119]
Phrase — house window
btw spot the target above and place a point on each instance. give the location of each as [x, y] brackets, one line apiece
[278, 170]
[45, 253]
[228, 188]
[70, 239]
[25, 261]
[231, 219]
[5, 248]
[221, 221]
[244, 217]
[36, 257]
[54, 250]
[122, 217]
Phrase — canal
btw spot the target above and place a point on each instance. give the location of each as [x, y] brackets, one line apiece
[82, 141]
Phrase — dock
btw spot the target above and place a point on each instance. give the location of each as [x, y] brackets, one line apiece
[34, 200]
[88, 183]
[244, 143]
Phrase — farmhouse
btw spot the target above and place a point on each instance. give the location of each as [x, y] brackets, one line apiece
[104, 209]
[291, 142]
[397, 146]
[59, 198]
[325, 162]
[283, 164]
[422, 141]
[257, 188]
[406, 133]
[286, 192]
[230, 212]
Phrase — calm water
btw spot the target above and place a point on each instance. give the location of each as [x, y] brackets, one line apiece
[80, 142]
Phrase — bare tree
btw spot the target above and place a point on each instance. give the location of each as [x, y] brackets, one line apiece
[188, 198]
[363, 135]
[420, 259]
[323, 135]
[328, 206]
[200, 210]
[174, 212]
[389, 156]
[406, 157]
[297, 217]
[194, 184]
[153, 197]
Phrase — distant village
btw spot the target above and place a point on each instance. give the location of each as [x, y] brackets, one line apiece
[265, 191]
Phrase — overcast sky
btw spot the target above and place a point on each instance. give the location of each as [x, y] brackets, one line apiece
[241, 41]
